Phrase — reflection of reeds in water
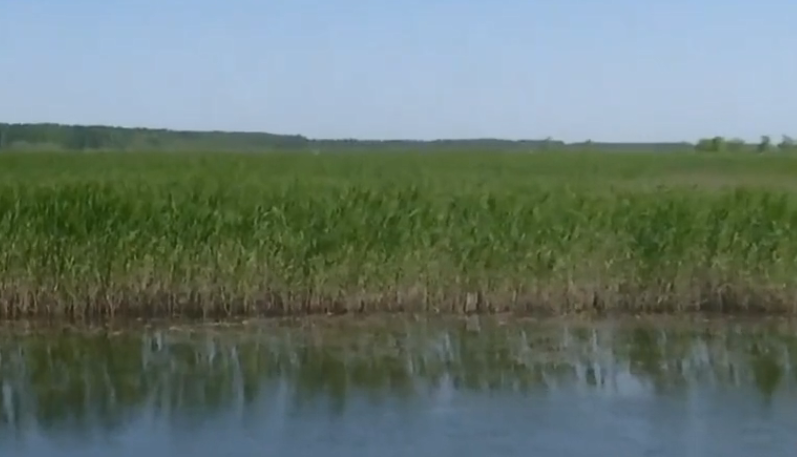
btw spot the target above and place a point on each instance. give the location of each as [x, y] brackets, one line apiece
[87, 381]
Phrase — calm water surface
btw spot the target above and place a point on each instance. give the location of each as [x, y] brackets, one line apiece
[416, 388]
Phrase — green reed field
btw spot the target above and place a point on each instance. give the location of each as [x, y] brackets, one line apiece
[100, 235]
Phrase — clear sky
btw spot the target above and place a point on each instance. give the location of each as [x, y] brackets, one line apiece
[616, 70]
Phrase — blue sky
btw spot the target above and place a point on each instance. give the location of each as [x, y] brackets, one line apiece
[616, 70]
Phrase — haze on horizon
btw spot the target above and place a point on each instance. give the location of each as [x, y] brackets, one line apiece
[610, 70]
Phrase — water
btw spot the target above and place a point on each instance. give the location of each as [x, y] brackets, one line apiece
[402, 388]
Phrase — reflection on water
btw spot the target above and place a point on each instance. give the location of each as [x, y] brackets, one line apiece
[475, 387]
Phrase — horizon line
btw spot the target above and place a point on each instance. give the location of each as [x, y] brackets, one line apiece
[355, 139]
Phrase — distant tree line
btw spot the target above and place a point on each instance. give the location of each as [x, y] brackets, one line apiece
[80, 137]
[60, 137]
[720, 144]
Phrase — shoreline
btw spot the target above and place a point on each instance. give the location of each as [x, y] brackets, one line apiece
[394, 321]
[725, 299]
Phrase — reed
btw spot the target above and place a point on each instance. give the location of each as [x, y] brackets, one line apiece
[144, 235]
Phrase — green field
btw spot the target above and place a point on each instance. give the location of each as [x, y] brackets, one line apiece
[88, 235]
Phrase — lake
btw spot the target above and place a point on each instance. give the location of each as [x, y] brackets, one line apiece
[402, 387]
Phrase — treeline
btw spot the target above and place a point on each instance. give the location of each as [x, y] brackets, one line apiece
[88, 137]
[80, 137]
[720, 144]
[95, 137]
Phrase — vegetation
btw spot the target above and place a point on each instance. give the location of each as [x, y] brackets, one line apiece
[56, 137]
[210, 235]
[720, 144]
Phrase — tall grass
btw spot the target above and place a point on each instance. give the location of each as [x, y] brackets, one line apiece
[218, 235]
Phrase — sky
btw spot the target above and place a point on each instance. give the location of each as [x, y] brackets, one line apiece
[605, 70]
